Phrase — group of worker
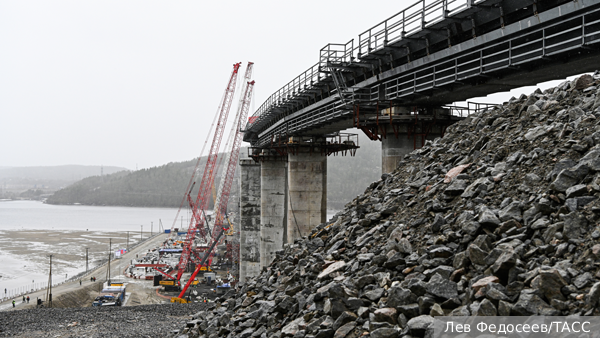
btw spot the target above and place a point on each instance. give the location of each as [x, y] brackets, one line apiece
[25, 299]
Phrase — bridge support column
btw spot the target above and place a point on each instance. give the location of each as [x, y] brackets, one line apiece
[394, 148]
[273, 208]
[249, 219]
[307, 201]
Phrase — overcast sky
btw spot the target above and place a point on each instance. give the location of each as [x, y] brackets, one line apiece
[137, 83]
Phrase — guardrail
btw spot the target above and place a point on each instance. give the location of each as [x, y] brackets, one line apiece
[560, 37]
[408, 21]
[411, 20]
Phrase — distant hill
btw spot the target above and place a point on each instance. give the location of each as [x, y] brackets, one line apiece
[164, 186]
[161, 186]
[34, 182]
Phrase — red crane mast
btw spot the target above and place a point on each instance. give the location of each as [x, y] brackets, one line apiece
[233, 156]
[208, 175]
[225, 189]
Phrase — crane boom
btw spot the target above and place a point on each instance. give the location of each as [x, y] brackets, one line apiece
[197, 220]
[232, 156]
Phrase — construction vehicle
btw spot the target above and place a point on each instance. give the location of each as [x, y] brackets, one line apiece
[220, 209]
[220, 227]
[199, 205]
[181, 299]
[199, 219]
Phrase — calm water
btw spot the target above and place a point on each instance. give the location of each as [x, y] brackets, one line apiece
[16, 215]
[24, 257]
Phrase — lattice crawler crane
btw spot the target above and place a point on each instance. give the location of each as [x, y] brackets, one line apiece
[198, 216]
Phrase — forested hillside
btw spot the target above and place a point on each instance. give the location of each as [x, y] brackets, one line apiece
[162, 186]
[165, 186]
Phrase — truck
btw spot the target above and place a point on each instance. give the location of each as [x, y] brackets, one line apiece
[112, 294]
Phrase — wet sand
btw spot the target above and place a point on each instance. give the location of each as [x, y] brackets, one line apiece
[74, 294]
[25, 255]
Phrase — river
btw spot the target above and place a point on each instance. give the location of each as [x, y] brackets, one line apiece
[31, 231]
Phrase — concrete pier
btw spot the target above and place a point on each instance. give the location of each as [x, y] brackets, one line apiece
[394, 148]
[307, 201]
[249, 219]
[273, 208]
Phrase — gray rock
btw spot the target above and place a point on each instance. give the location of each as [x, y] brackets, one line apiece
[419, 325]
[530, 304]
[476, 255]
[569, 177]
[344, 318]
[549, 283]
[385, 333]
[507, 260]
[364, 280]
[457, 187]
[593, 295]
[483, 308]
[575, 225]
[440, 287]
[583, 280]
[374, 295]
[488, 218]
[577, 190]
[512, 211]
[398, 296]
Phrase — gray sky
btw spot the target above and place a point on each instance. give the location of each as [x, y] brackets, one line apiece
[137, 83]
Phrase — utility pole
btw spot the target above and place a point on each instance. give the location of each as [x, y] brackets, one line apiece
[109, 256]
[86, 260]
[49, 292]
[151, 228]
[127, 241]
[141, 230]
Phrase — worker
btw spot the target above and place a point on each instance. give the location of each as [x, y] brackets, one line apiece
[13, 303]
[27, 299]
[24, 299]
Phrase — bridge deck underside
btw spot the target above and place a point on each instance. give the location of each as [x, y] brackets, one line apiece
[559, 42]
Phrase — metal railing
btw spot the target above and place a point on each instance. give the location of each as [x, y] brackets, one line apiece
[471, 108]
[392, 29]
[411, 20]
[336, 53]
[560, 37]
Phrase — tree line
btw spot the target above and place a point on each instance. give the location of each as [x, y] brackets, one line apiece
[165, 186]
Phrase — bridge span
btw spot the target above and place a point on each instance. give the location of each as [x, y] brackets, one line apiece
[394, 83]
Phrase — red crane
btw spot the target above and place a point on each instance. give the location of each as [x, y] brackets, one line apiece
[233, 155]
[198, 207]
[232, 160]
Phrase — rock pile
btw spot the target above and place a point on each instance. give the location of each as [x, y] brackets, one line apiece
[498, 217]
[158, 320]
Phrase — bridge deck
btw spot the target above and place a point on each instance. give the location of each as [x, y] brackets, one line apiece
[488, 46]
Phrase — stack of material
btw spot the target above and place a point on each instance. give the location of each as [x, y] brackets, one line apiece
[498, 217]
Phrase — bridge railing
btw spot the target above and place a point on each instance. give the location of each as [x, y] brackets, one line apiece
[336, 53]
[408, 21]
[561, 36]
[469, 109]
[302, 82]
[405, 22]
